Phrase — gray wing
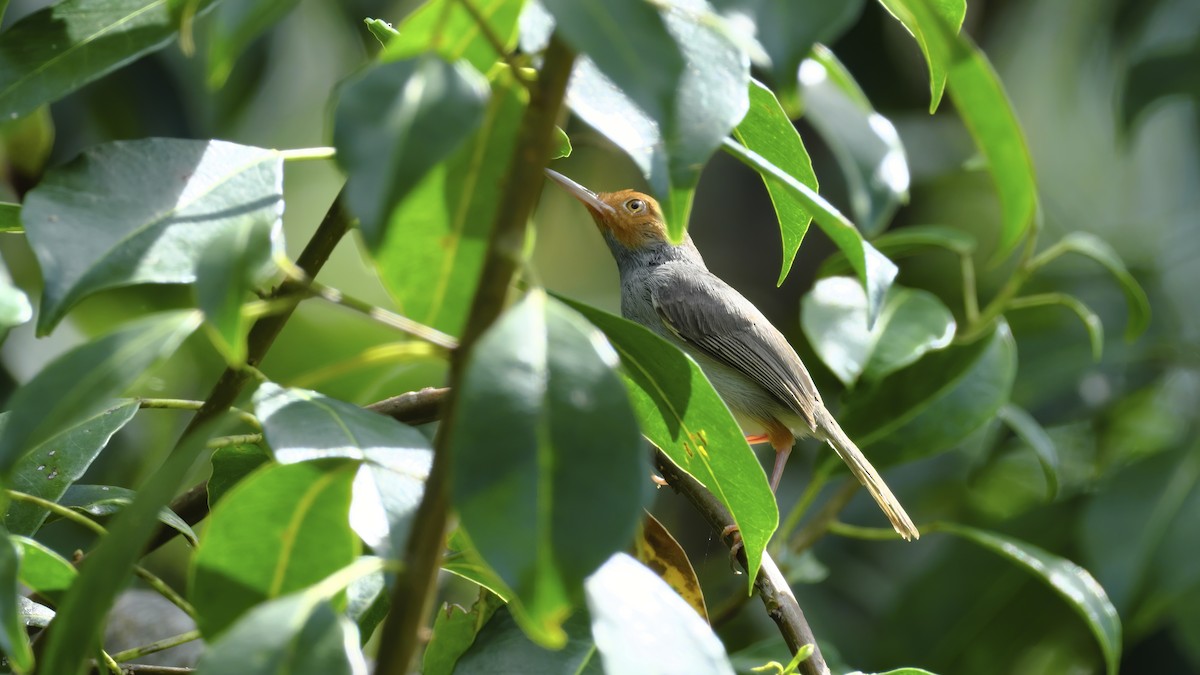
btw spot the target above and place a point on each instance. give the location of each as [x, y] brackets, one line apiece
[738, 336]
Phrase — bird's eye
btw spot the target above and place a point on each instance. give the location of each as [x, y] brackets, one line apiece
[635, 205]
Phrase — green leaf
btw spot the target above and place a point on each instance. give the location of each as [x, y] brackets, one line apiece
[935, 403]
[625, 598]
[10, 218]
[562, 146]
[898, 671]
[230, 465]
[874, 270]
[302, 425]
[1168, 72]
[233, 27]
[298, 634]
[788, 30]
[395, 122]
[1097, 249]
[26, 143]
[1073, 583]
[144, 211]
[105, 500]
[79, 384]
[865, 143]
[230, 266]
[33, 613]
[681, 413]
[932, 23]
[981, 103]
[501, 647]
[446, 28]
[14, 304]
[14, 641]
[382, 30]
[834, 318]
[57, 50]
[548, 468]
[464, 561]
[710, 99]
[767, 130]
[56, 463]
[42, 570]
[81, 615]
[621, 37]
[454, 631]
[432, 254]
[1027, 428]
[367, 603]
[282, 529]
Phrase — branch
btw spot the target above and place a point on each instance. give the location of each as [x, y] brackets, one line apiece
[773, 589]
[412, 597]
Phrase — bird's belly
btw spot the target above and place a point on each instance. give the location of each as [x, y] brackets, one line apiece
[750, 404]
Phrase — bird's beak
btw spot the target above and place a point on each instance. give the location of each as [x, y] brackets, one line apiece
[581, 193]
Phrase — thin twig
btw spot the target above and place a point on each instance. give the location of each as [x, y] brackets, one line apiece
[772, 587]
[185, 404]
[819, 525]
[156, 646]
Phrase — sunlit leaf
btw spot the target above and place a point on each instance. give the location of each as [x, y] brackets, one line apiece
[874, 270]
[920, 18]
[56, 50]
[834, 318]
[671, 150]
[144, 211]
[981, 103]
[302, 425]
[865, 143]
[641, 625]
[935, 403]
[45, 572]
[454, 630]
[10, 218]
[396, 121]
[282, 529]
[230, 465]
[298, 634]
[682, 414]
[431, 257]
[1073, 583]
[767, 130]
[548, 465]
[82, 382]
[446, 28]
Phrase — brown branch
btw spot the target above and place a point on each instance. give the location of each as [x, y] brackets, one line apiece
[412, 597]
[773, 589]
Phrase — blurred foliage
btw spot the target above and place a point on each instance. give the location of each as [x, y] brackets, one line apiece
[994, 387]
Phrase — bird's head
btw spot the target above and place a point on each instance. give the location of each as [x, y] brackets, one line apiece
[626, 218]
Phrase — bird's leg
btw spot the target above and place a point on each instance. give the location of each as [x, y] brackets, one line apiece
[753, 439]
[782, 439]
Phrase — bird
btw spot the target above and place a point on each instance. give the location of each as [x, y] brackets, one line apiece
[667, 288]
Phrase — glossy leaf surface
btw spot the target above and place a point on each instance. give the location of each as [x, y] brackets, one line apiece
[550, 473]
[396, 121]
[282, 529]
[834, 318]
[51, 467]
[144, 211]
[682, 414]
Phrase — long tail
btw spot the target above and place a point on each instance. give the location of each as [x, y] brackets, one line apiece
[866, 474]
